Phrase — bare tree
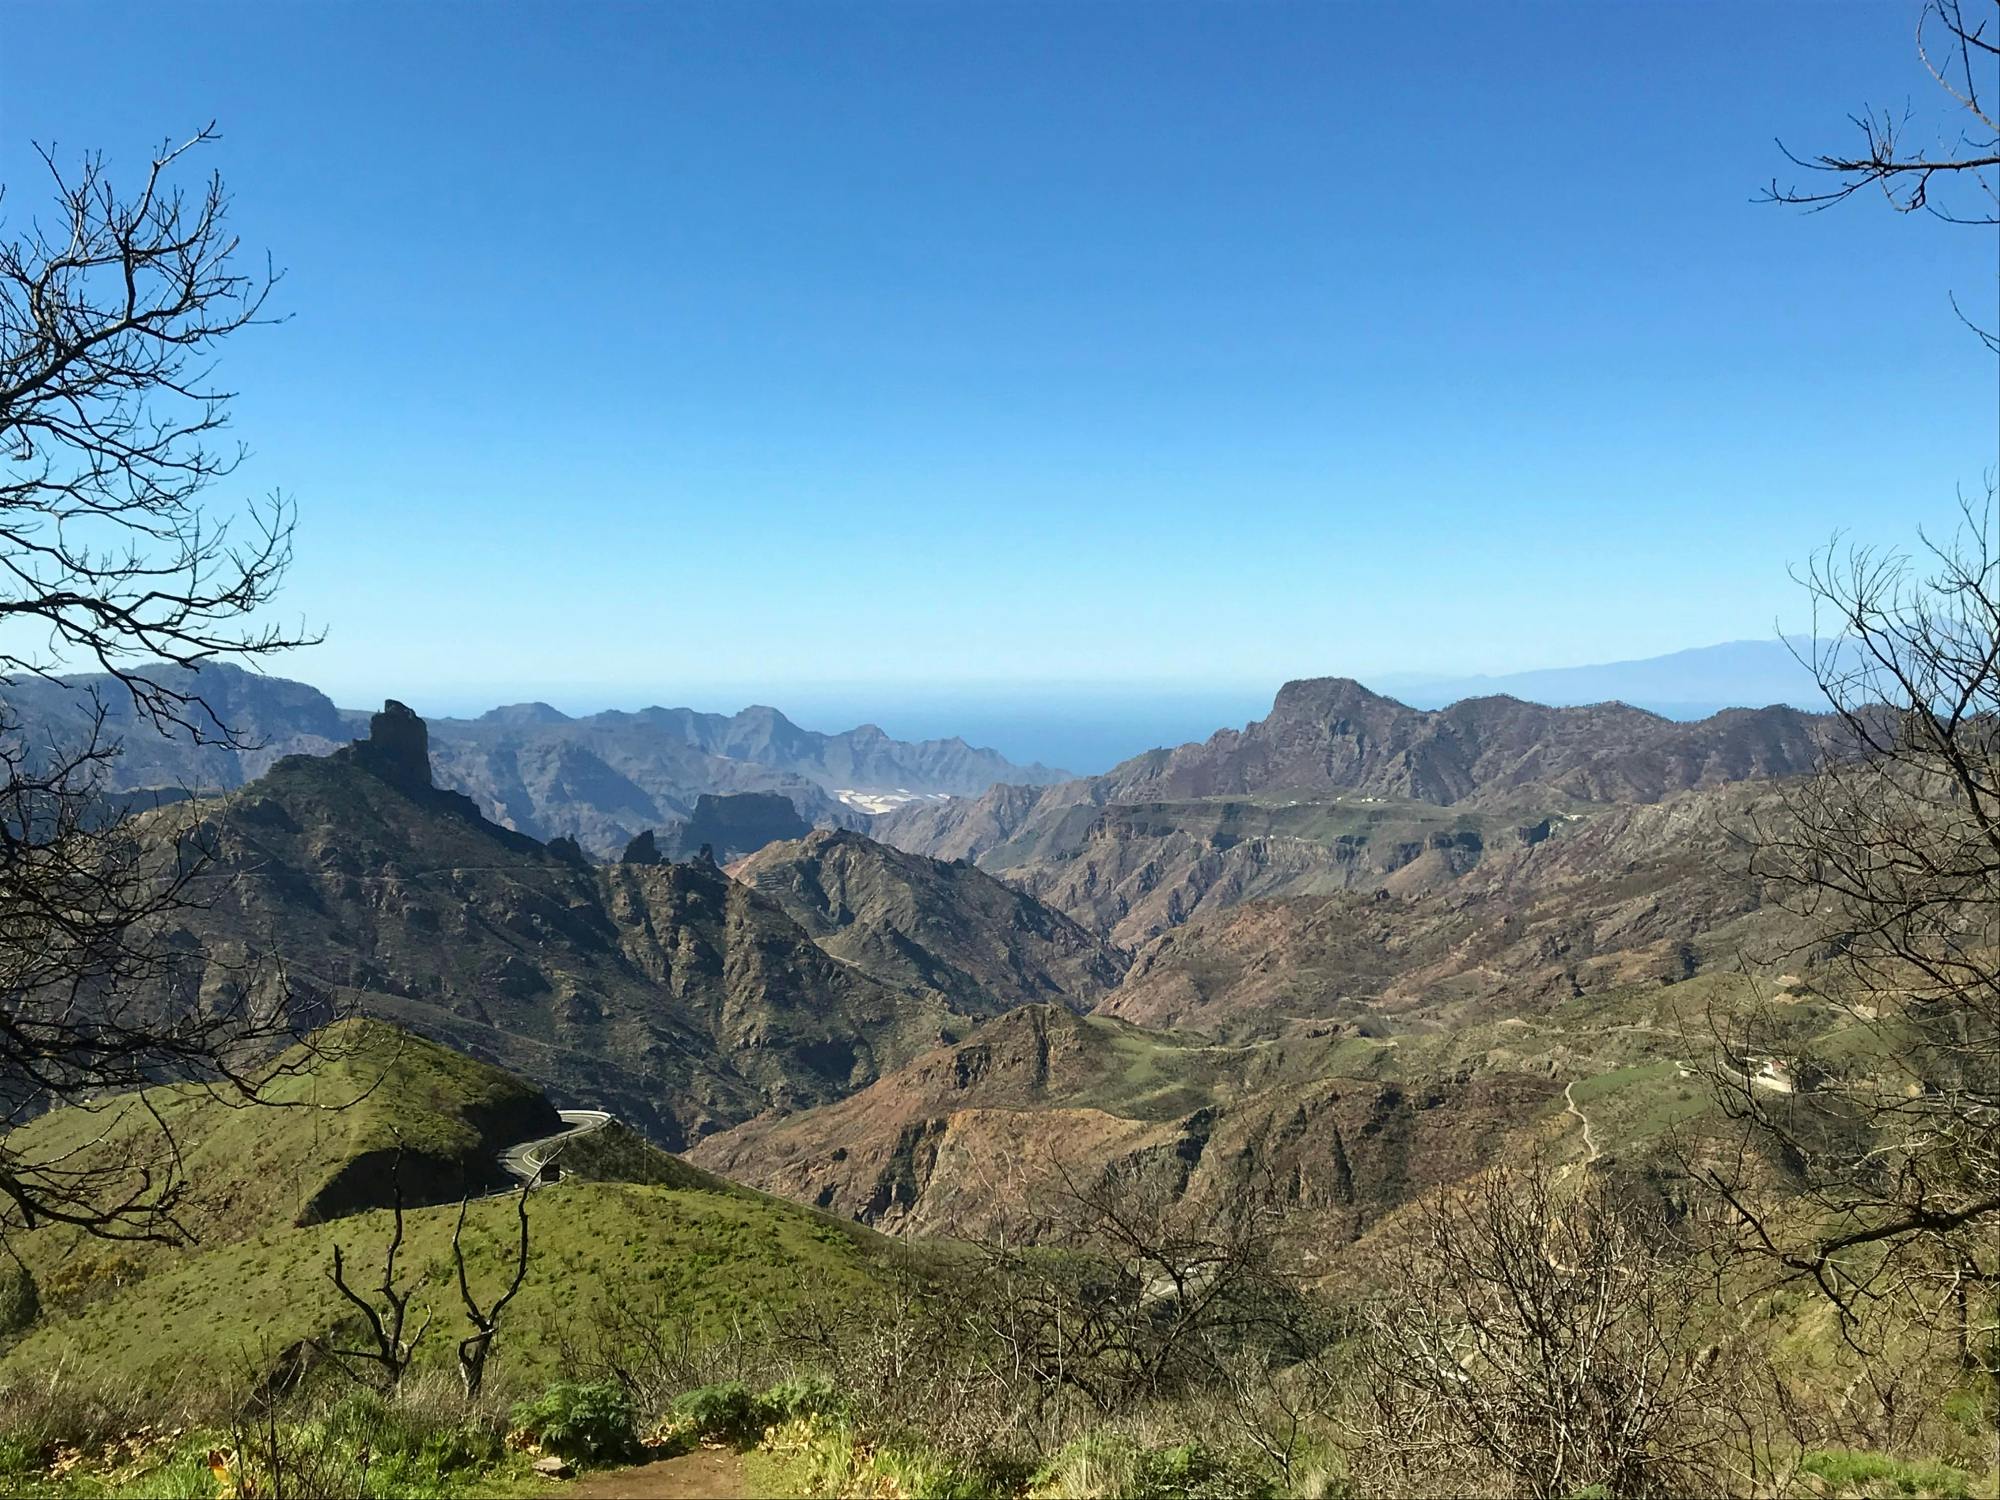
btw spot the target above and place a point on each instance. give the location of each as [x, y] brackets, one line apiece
[1892, 857]
[1541, 1345]
[475, 1347]
[1871, 1169]
[1955, 175]
[108, 420]
[1118, 1289]
[391, 1352]
[111, 312]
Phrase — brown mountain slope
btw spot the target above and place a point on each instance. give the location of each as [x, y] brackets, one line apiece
[927, 924]
[669, 993]
[1137, 870]
[961, 1138]
[1655, 893]
[1330, 734]
[1329, 737]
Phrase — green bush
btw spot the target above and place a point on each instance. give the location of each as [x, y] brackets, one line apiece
[1195, 1471]
[594, 1421]
[1110, 1463]
[20, 1301]
[800, 1396]
[727, 1411]
[17, 1458]
[1846, 1472]
[385, 1425]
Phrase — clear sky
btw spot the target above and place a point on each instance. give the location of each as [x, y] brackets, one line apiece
[696, 350]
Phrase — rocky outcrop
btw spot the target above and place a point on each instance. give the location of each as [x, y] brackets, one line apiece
[398, 748]
[737, 824]
[643, 850]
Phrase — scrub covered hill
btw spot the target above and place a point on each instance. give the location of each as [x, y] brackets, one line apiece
[329, 1116]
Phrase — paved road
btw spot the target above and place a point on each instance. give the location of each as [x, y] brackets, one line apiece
[526, 1160]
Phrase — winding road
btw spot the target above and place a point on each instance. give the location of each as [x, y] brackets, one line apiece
[525, 1161]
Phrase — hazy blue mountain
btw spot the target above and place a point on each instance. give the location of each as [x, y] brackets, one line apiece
[598, 779]
[1681, 685]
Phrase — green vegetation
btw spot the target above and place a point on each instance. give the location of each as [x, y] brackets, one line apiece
[665, 1306]
[592, 1423]
[709, 1257]
[1846, 1473]
[332, 1115]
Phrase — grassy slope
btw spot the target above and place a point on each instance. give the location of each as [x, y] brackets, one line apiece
[708, 1256]
[647, 1227]
[322, 1151]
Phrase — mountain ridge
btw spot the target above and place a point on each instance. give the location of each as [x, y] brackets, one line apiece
[1332, 736]
[599, 779]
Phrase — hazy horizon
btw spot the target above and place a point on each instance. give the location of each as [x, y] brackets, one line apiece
[1086, 727]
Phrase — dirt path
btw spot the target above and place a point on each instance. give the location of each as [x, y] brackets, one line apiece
[706, 1474]
[1588, 1144]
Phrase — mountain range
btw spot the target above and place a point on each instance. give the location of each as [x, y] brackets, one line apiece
[1338, 788]
[1343, 941]
[1680, 685]
[599, 780]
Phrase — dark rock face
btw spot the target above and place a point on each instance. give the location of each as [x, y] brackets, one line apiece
[739, 824]
[398, 748]
[643, 850]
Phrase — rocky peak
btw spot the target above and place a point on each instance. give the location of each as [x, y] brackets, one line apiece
[1320, 699]
[398, 747]
[644, 849]
[524, 714]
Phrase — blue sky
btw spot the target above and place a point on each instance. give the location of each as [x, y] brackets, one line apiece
[698, 352]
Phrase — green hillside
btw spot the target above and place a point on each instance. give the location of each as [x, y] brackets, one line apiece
[334, 1113]
[227, 1313]
[272, 1190]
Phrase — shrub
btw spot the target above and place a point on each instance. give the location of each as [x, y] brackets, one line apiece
[726, 1411]
[829, 1458]
[800, 1396]
[17, 1458]
[593, 1421]
[1847, 1472]
[1108, 1464]
[20, 1302]
[1195, 1471]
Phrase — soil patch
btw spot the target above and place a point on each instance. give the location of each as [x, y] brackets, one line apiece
[706, 1474]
